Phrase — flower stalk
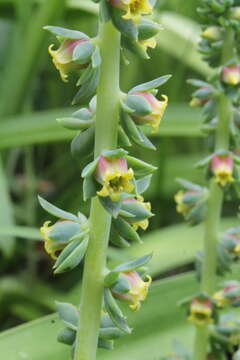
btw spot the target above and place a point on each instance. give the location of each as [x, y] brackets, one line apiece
[107, 117]
[215, 202]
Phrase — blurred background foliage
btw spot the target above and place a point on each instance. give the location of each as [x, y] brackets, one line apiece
[35, 159]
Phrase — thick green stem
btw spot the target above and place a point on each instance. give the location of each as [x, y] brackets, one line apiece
[215, 202]
[100, 221]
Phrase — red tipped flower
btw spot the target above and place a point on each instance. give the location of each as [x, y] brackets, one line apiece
[62, 57]
[231, 75]
[114, 175]
[158, 109]
[138, 290]
[222, 168]
[201, 311]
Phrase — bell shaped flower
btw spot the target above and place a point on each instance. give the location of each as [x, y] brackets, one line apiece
[141, 211]
[231, 75]
[154, 117]
[230, 294]
[114, 176]
[231, 241]
[63, 57]
[201, 311]
[138, 289]
[222, 168]
[191, 203]
[57, 236]
[134, 9]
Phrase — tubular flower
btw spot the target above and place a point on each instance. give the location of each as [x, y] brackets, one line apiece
[182, 207]
[142, 221]
[57, 236]
[201, 311]
[226, 295]
[62, 57]
[201, 100]
[231, 241]
[231, 75]
[138, 290]
[114, 175]
[50, 246]
[134, 8]
[222, 168]
[158, 109]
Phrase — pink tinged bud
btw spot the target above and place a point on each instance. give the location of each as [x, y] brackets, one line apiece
[221, 297]
[138, 291]
[114, 175]
[201, 311]
[158, 109]
[62, 57]
[222, 168]
[231, 75]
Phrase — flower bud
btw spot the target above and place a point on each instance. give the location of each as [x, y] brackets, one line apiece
[134, 8]
[57, 236]
[201, 311]
[231, 75]
[141, 217]
[191, 204]
[212, 33]
[231, 241]
[138, 289]
[202, 96]
[229, 294]
[158, 109]
[222, 168]
[63, 57]
[114, 175]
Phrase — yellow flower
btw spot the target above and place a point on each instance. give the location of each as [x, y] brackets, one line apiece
[231, 75]
[136, 8]
[50, 246]
[143, 224]
[158, 109]
[62, 57]
[201, 312]
[148, 43]
[115, 177]
[222, 167]
[221, 300]
[138, 291]
[182, 208]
